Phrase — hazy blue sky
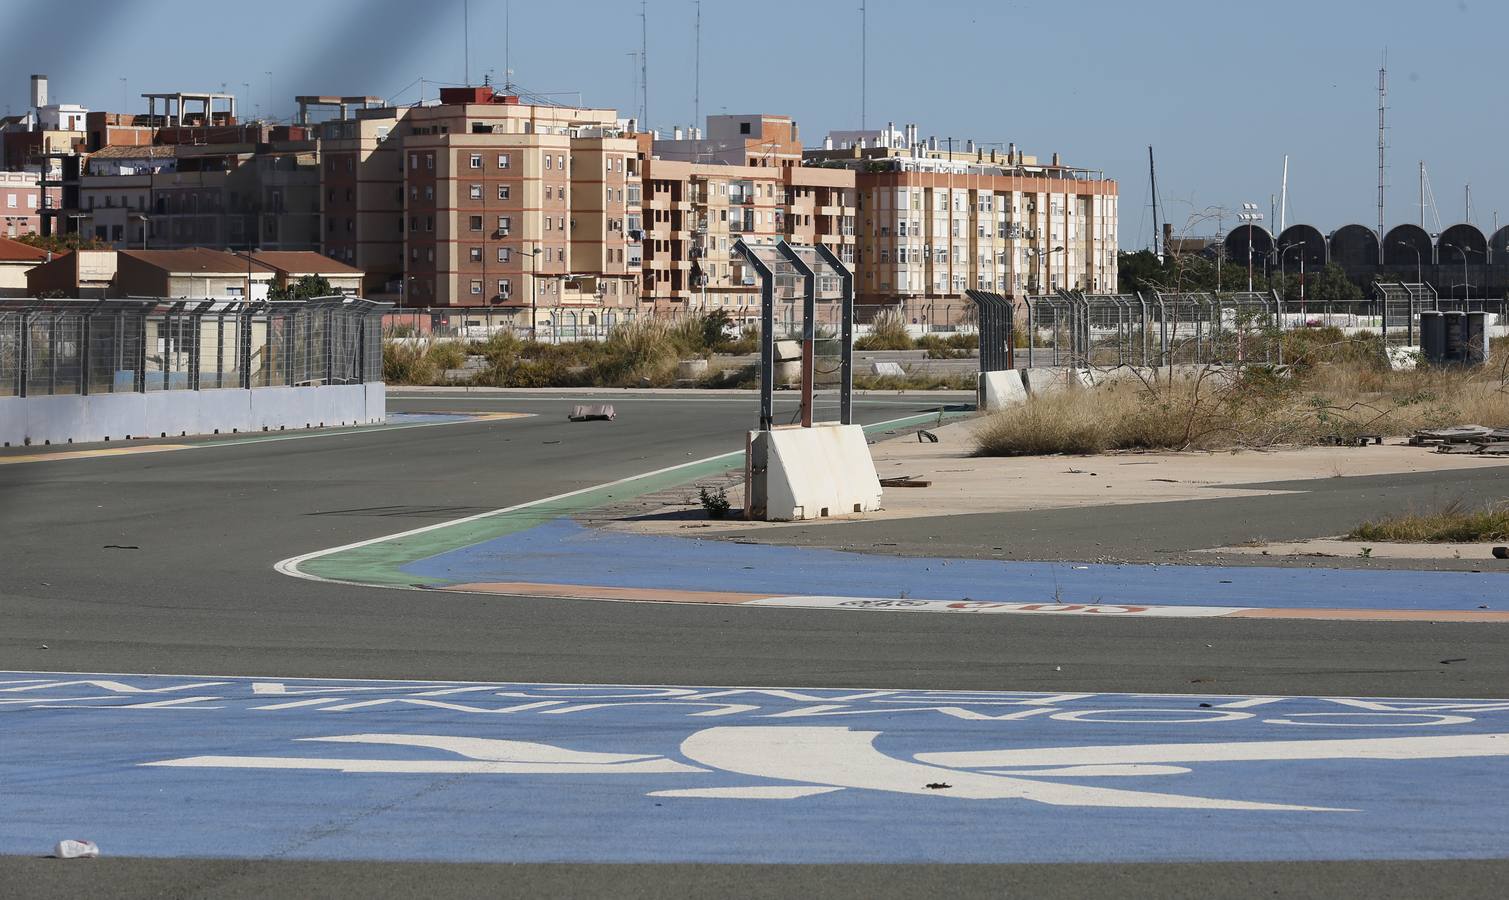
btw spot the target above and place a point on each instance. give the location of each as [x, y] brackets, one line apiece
[1222, 90]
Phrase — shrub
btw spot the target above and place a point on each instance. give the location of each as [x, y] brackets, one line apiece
[640, 353]
[887, 332]
[448, 354]
[407, 362]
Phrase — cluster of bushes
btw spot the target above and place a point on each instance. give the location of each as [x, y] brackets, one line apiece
[888, 331]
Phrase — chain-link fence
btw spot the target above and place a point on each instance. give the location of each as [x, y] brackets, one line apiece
[55, 347]
[1072, 328]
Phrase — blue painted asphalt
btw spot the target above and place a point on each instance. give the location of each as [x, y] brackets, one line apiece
[564, 552]
[138, 765]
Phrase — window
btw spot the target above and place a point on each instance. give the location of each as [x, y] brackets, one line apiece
[503, 288]
[413, 161]
[503, 161]
[477, 164]
[429, 161]
[429, 192]
[744, 128]
[502, 192]
[476, 192]
[474, 223]
[503, 254]
[548, 160]
[548, 222]
[504, 224]
[476, 254]
[476, 286]
[560, 255]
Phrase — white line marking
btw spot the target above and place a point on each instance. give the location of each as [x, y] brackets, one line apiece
[870, 692]
[1443, 747]
[883, 604]
[770, 792]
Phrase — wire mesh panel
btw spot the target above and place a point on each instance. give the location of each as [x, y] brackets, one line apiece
[10, 353]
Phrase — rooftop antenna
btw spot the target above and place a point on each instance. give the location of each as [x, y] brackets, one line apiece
[1467, 204]
[1382, 144]
[697, 77]
[466, 40]
[864, 56]
[507, 24]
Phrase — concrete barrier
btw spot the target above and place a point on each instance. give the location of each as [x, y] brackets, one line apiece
[810, 473]
[999, 390]
[64, 419]
[1042, 381]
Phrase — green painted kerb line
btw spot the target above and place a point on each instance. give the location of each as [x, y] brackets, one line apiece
[381, 562]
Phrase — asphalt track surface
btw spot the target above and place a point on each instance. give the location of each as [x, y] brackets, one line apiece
[162, 563]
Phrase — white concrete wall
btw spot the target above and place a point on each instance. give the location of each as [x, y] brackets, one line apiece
[115, 417]
[809, 473]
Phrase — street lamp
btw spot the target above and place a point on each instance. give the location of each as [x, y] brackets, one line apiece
[1419, 261]
[1466, 285]
[1249, 214]
[142, 218]
[533, 309]
[1042, 265]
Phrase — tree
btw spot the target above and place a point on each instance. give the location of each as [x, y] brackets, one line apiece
[305, 288]
[1331, 285]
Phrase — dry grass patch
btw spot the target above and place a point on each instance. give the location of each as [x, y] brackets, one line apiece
[1453, 523]
[1334, 402]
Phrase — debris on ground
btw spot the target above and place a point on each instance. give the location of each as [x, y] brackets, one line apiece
[1355, 440]
[906, 481]
[937, 785]
[924, 434]
[1501, 552]
[76, 849]
[592, 412]
[1463, 439]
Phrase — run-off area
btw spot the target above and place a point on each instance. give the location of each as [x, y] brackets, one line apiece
[202, 766]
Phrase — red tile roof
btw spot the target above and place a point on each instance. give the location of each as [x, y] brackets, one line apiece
[302, 262]
[15, 251]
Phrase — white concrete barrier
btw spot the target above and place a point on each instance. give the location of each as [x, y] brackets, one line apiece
[1042, 381]
[63, 419]
[999, 390]
[810, 473]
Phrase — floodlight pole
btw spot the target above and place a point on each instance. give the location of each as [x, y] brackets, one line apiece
[767, 334]
[845, 336]
[809, 335]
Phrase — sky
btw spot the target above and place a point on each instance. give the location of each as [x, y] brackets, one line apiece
[1221, 90]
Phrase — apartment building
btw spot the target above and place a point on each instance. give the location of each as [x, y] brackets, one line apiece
[22, 202]
[934, 221]
[259, 188]
[763, 141]
[487, 201]
[694, 213]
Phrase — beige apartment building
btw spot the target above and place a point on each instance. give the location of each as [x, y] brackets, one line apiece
[482, 200]
[935, 222]
[696, 212]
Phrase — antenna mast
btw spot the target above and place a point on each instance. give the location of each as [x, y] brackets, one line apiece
[864, 56]
[1152, 175]
[697, 90]
[644, 63]
[1283, 202]
[507, 25]
[1382, 145]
